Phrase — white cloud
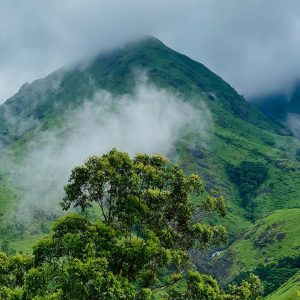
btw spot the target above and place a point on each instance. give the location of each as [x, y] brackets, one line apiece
[150, 120]
[293, 122]
[253, 45]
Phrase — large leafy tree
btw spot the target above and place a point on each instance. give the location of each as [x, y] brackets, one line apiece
[146, 193]
[150, 217]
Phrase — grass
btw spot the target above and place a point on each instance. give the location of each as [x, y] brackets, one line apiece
[288, 291]
[268, 240]
[24, 245]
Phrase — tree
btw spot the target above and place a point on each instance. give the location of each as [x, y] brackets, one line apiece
[150, 215]
[5, 247]
[247, 290]
[144, 193]
[12, 273]
[146, 214]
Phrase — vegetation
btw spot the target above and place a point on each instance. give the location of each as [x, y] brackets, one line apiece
[240, 133]
[288, 291]
[267, 248]
[138, 246]
[298, 154]
[248, 158]
[274, 274]
[248, 177]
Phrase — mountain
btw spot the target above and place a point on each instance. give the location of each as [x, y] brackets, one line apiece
[113, 71]
[148, 95]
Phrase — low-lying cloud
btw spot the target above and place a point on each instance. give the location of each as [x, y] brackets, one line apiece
[293, 123]
[253, 45]
[150, 120]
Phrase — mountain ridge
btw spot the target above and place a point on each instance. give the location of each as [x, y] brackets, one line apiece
[106, 71]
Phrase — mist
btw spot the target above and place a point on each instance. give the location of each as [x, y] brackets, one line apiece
[253, 45]
[293, 123]
[149, 120]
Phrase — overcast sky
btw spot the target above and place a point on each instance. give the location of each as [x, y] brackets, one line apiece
[252, 44]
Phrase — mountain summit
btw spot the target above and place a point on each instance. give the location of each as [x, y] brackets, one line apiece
[114, 71]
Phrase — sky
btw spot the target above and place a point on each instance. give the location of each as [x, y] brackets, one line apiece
[254, 45]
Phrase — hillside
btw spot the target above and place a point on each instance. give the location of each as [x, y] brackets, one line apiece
[234, 146]
[114, 71]
[269, 248]
[288, 291]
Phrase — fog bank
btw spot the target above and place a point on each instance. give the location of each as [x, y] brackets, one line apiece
[150, 120]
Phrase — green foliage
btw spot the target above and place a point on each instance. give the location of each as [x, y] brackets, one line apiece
[146, 229]
[246, 290]
[290, 290]
[198, 287]
[12, 273]
[274, 274]
[298, 154]
[272, 243]
[248, 176]
[240, 133]
[142, 194]
[77, 279]
[5, 247]
[204, 287]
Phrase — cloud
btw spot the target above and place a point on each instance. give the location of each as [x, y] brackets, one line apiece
[252, 44]
[293, 122]
[150, 120]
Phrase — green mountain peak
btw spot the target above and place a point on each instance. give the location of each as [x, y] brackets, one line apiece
[114, 71]
[247, 157]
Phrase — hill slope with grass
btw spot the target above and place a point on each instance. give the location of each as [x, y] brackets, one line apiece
[288, 291]
[269, 248]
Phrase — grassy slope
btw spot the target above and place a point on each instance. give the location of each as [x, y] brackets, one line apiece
[288, 291]
[269, 239]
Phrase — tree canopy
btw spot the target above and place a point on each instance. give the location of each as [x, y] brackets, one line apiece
[150, 215]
